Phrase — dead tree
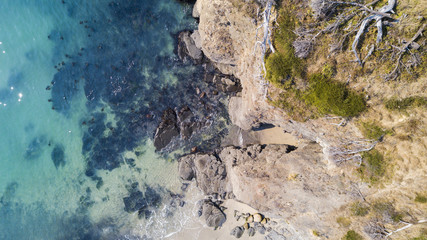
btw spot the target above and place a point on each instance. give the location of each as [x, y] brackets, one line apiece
[266, 41]
[349, 150]
[306, 40]
[401, 51]
[377, 16]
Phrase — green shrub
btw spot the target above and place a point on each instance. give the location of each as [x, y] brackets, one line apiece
[331, 97]
[352, 235]
[360, 209]
[283, 64]
[373, 166]
[405, 103]
[421, 198]
[372, 131]
[328, 70]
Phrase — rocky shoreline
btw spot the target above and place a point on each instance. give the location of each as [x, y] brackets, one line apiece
[279, 180]
[299, 183]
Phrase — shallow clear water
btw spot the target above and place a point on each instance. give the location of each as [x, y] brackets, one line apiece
[82, 88]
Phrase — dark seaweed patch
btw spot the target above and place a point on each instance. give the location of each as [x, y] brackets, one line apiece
[65, 86]
[35, 148]
[58, 156]
[143, 203]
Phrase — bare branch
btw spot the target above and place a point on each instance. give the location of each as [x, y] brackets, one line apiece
[402, 50]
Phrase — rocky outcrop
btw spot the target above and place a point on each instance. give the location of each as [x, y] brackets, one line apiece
[187, 47]
[175, 123]
[278, 180]
[228, 38]
[213, 214]
[167, 129]
[209, 172]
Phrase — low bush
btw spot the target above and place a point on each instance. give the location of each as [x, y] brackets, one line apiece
[386, 211]
[421, 198]
[343, 221]
[405, 103]
[283, 64]
[372, 130]
[352, 235]
[331, 97]
[360, 209]
[373, 166]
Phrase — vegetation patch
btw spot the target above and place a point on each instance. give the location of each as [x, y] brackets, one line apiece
[305, 97]
[352, 235]
[343, 221]
[360, 209]
[421, 198]
[405, 103]
[372, 130]
[331, 97]
[373, 166]
[387, 212]
[283, 65]
[291, 101]
[422, 236]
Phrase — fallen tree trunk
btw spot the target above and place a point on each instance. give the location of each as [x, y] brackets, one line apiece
[377, 16]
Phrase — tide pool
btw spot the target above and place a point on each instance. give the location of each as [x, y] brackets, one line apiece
[83, 85]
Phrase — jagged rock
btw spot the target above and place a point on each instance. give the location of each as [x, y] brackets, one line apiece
[167, 129]
[176, 123]
[227, 84]
[186, 123]
[184, 114]
[209, 171]
[185, 168]
[187, 47]
[187, 129]
[196, 38]
[237, 232]
[213, 215]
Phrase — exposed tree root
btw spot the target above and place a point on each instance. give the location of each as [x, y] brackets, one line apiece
[401, 51]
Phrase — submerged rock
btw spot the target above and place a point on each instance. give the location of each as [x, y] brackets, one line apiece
[35, 148]
[58, 156]
[144, 204]
[134, 202]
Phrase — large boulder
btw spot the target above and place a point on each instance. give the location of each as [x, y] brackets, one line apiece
[209, 171]
[187, 48]
[186, 168]
[167, 129]
[175, 123]
[213, 215]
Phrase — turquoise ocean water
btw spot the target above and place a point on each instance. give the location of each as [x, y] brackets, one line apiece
[82, 88]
